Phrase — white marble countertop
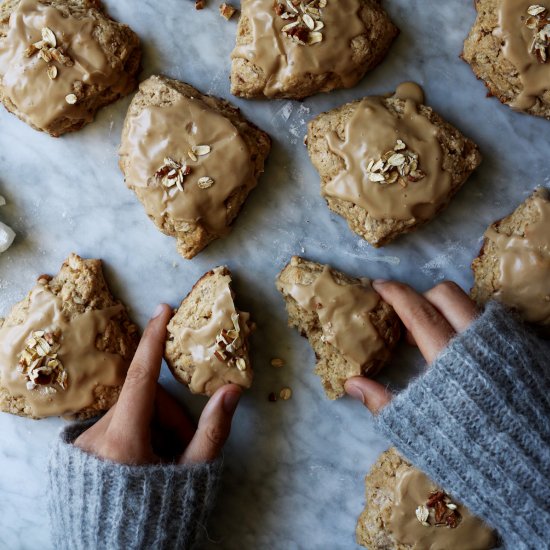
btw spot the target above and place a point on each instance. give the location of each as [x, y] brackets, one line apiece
[294, 470]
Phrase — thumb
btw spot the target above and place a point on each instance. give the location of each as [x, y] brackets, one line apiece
[373, 395]
[214, 426]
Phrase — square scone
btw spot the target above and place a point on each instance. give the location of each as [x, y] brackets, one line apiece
[388, 164]
[405, 510]
[62, 60]
[513, 265]
[191, 159]
[508, 48]
[207, 339]
[297, 48]
[351, 330]
[65, 348]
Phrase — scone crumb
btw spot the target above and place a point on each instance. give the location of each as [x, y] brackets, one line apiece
[199, 4]
[227, 11]
[277, 362]
[39, 363]
[285, 394]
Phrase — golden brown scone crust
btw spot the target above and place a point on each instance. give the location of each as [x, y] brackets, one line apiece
[367, 50]
[483, 52]
[486, 266]
[331, 364]
[460, 158]
[81, 287]
[120, 44]
[194, 312]
[159, 90]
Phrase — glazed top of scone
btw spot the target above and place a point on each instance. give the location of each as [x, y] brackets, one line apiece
[52, 361]
[524, 27]
[294, 38]
[47, 59]
[343, 312]
[393, 165]
[219, 348]
[426, 518]
[184, 161]
[523, 279]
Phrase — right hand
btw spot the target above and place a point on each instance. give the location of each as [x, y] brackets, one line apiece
[431, 320]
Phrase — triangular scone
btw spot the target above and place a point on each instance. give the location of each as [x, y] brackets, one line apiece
[389, 164]
[399, 496]
[65, 349]
[191, 159]
[207, 342]
[351, 330]
[513, 265]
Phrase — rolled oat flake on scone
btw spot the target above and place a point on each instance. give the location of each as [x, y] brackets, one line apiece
[513, 265]
[389, 164]
[509, 49]
[296, 48]
[62, 60]
[65, 348]
[191, 159]
[405, 510]
[350, 328]
[207, 339]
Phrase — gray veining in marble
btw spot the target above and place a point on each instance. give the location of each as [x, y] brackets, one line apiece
[294, 470]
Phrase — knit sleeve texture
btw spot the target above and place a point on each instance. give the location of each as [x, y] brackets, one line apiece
[98, 504]
[478, 423]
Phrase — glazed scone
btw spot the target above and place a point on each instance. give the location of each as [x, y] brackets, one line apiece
[351, 330]
[509, 49]
[294, 48]
[399, 496]
[191, 159]
[388, 164]
[207, 340]
[513, 265]
[62, 60]
[65, 348]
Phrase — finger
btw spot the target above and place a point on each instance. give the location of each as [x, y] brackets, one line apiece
[171, 415]
[214, 426]
[135, 405]
[428, 327]
[454, 304]
[373, 395]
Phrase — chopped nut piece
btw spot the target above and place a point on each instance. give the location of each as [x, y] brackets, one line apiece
[172, 173]
[422, 513]
[49, 37]
[540, 24]
[285, 394]
[227, 11]
[71, 99]
[398, 164]
[52, 72]
[444, 511]
[201, 150]
[205, 183]
[305, 20]
[277, 363]
[241, 364]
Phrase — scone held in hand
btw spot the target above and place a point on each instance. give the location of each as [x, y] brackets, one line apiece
[207, 341]
[350, 328]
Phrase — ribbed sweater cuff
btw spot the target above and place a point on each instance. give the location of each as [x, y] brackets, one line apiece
[99, 504]
[478, 423]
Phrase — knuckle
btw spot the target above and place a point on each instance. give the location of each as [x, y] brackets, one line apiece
[447, 287]
[424, 313]
[215, 435]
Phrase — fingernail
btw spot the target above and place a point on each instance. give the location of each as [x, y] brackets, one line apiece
[230, 401]
[158, 311]
[355, 392]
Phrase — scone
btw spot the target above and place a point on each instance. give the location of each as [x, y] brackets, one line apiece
[509, 49]
[297, 48]
[513, 265]
[406, 510]
[207, 340]
[388, 164]
[351, 330]
[65, 348]
[191, 159]
[62, 60]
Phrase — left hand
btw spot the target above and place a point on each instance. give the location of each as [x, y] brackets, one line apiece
[147, 425]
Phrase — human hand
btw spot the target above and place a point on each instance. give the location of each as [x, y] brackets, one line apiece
[431, 321]
[147, 425]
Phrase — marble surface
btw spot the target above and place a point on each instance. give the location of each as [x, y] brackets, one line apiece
[294, 470]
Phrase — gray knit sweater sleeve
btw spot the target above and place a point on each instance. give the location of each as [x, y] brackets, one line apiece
[95, 504]
[478, 423]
